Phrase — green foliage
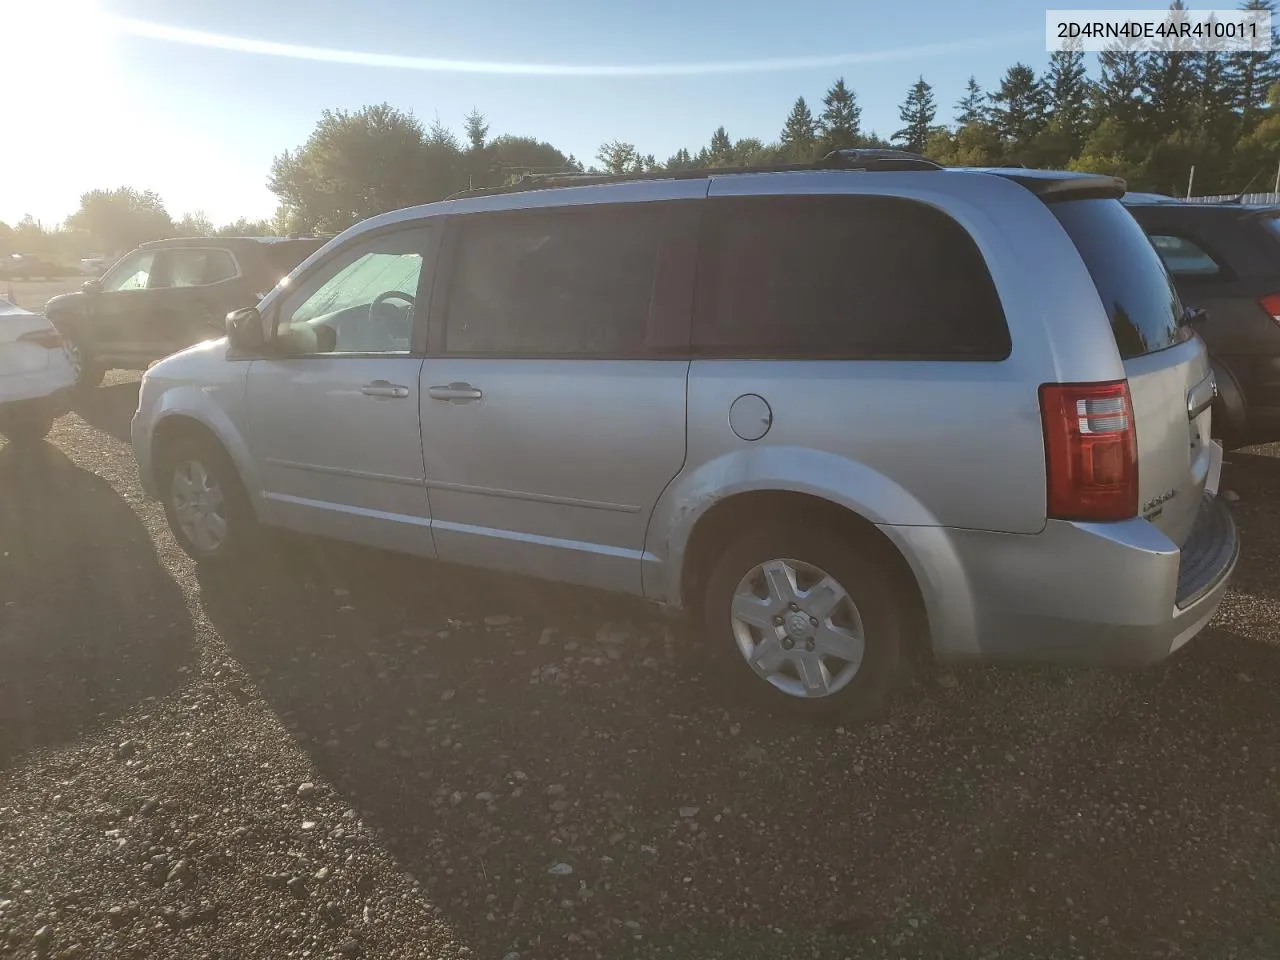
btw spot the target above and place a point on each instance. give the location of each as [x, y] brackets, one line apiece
[244, 227]
[120, 219]
[1067, 91]
[477, 129]
[841, 120]
[1019, 106]
[972, 107]
[916, 113]
[1250, 75]
[194, 224]
[799, 133]
[356, 165]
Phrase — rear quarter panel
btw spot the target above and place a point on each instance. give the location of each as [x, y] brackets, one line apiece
[905, 444]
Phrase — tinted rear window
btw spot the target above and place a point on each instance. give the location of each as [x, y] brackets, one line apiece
[843, 277]
[1132, 281]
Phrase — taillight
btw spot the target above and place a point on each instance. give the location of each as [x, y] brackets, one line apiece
[1271, 304]
[50, 339]
[1091, 451]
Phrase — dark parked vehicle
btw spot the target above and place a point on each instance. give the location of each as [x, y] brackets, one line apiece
[22, 266]
[1225, 260]
[166, 296]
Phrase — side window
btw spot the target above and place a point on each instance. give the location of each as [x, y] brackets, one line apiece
[361, 300]
[1182, 257]
[572, 281]
[131, 273]
[195, 267]
[843, 277]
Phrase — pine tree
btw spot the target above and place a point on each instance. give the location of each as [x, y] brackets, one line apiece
[799, 132]
[972, 107]
[1117, 94]
[721, 149]
[1167, 82]
[916, 113]
[841, 118]
[1067, 90]
[1214, 98]
[1251, 74]
[477, 129]
[1018, 107]
[680, 160]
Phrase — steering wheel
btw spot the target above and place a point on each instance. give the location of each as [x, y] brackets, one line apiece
[396, 323]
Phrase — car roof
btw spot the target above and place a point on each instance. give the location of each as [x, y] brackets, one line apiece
[555, 191]
[179, 242]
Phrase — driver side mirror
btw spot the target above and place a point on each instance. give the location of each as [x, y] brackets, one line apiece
[244, 329]
[91, 287]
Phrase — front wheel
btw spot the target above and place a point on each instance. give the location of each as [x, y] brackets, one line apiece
[808, 620]
[206, 506]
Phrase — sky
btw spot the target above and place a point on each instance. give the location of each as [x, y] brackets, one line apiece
[193, 98]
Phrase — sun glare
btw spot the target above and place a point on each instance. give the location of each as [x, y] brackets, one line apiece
[61, 43]
[59, 78]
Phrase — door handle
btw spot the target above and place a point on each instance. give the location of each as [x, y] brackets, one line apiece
[385, 389]
[456, 392]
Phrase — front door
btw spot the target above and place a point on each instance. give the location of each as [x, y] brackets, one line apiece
[194, 288]
[118, 312]
[551, 422]
[333, 407]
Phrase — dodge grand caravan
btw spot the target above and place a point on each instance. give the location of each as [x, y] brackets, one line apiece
[832, 411]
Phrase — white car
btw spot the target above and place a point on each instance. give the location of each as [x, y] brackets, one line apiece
[35, 375]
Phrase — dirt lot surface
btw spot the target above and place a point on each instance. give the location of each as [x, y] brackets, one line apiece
[340, 754]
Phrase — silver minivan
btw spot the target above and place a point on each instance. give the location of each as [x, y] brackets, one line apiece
[837, 412]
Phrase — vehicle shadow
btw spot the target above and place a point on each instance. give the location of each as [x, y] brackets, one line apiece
[565, 776]
[109, 408]
[90, 622]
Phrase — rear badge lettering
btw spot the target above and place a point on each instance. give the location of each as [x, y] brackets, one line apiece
[1153, 505]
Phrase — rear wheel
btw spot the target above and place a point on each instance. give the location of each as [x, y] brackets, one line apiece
[205, 503]
[88, 372]
[808, 620]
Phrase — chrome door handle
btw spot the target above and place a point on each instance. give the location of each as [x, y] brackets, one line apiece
[458, 392]
[385, 389]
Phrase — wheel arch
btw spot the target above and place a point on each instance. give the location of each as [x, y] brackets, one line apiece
[175, 425]
[727, 518]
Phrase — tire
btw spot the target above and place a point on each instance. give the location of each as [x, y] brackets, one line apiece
[88, 372]
[205, 503]
[856, 689]
[27, 429]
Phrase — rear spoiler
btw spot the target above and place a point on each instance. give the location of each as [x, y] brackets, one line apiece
[1052, 189]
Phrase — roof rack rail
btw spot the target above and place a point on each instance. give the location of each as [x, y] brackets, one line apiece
[850, 159]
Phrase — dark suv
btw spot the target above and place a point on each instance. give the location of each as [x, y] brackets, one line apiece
[1225, 259]
[167, 295]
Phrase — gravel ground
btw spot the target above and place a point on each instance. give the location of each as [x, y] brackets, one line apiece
[344, 754]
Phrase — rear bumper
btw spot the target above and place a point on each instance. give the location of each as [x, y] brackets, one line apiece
[1106, 594]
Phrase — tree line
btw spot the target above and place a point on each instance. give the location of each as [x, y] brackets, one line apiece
[1147, 117]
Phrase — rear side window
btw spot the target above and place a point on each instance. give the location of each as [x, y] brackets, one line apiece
[843, 277]
[199, 267]
[1132, 282]
[573, 281]
[1183, 257]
